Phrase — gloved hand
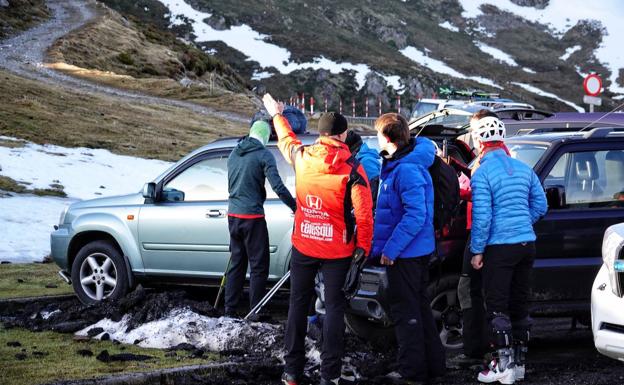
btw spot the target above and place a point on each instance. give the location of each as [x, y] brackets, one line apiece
[352, 280]
[358, 253]
[272, 106]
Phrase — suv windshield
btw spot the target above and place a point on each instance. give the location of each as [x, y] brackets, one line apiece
[528, 153]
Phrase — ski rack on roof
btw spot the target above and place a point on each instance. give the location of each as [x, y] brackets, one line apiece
[471, 94]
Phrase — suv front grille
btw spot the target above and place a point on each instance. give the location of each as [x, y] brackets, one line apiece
[369, 282]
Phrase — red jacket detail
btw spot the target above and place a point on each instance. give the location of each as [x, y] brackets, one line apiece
[329, 186]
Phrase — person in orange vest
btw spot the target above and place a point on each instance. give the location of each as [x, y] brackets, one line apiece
[330, 186]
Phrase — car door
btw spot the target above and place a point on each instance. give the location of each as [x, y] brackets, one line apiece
[569, 238]
[186, 231]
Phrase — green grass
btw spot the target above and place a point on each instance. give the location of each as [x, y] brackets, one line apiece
[30, 280]
[11, 185]
[60, 360]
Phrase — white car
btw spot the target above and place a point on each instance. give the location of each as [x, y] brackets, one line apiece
[607, 303]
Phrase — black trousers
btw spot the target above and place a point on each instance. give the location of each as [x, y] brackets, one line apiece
[476, 333]
[506, 279]
[303, 270]
[421, 355]
[249, 244]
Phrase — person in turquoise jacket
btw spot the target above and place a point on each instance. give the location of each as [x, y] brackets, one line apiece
[507, 199]
[404, 240]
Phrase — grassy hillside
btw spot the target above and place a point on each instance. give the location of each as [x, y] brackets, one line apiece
[18, 15]
[45, 114]
[130, 54]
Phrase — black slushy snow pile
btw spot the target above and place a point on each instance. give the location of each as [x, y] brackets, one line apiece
[140, 305]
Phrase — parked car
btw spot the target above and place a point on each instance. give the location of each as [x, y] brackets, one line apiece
[607, 302]
[583, 175]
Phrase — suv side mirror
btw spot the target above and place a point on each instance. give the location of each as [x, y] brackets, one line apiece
[149, 191]
[555, 196]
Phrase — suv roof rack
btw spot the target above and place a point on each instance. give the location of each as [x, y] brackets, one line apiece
[599, 132]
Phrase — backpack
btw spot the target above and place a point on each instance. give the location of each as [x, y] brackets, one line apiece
[445, 193]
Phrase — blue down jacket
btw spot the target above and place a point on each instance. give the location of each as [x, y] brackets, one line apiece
[507, 199]
[404, 217]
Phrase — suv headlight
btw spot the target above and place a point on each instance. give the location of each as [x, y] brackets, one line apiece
[63, 213]
[611, 248]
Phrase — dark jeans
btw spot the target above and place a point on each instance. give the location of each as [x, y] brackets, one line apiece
[249, 244]
[303, 270]
[476, 333]
[506, 279]
[421, 355]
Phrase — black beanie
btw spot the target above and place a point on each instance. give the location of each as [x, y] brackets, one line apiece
[332, 123]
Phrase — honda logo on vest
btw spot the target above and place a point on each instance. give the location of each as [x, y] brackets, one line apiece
[314, 202]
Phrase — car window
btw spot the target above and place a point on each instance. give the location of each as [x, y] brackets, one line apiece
[528, 153]
[422, 108]
[591, 179]
[285, 170]
[206, 180]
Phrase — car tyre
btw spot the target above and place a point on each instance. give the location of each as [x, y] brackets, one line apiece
[99, 273]
[377, 334]
[446, 310]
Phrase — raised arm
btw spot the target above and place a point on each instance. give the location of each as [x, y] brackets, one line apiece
[272, 174]
[288, 143]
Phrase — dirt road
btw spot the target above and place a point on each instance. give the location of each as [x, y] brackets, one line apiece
[25, 55]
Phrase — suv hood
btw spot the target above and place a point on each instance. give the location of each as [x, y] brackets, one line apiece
[118, 200]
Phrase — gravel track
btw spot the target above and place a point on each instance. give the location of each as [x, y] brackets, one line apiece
[25, 54]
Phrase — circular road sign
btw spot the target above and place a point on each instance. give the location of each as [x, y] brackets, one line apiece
[592, 85]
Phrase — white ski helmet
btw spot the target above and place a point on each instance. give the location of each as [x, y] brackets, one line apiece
[487, 129]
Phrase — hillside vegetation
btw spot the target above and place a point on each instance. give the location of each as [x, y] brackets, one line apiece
[138, 56]
[19, 15]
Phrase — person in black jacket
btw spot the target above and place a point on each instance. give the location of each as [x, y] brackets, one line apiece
[249, 164]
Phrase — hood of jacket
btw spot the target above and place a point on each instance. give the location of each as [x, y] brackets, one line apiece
[327, 155]
[247, 145]
[420, 151]
[367, 152]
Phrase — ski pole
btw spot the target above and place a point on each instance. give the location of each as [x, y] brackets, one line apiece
[268, 295]
[222, 285]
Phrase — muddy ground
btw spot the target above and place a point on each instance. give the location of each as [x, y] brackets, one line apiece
[558, 354]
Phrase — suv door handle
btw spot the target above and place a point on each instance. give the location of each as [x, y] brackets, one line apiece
[220, 213]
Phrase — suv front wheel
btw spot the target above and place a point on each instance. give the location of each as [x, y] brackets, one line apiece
[99, 272]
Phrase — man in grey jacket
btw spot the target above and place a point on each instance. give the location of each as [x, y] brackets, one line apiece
[249, 164]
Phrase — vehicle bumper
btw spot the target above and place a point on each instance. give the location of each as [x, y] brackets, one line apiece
[59, 246]
[607, 317]
[369, 300]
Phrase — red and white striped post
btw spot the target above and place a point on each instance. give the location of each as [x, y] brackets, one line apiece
[302, 106]
[399, 104]
[326, 104]
[340, 106]
[353, 107]
[435, 95]
[311, 105]
[379, 106]
[366, 106]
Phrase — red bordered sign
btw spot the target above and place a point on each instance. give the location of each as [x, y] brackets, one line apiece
[592, 85]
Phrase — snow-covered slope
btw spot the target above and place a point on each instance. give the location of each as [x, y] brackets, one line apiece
[27, 220]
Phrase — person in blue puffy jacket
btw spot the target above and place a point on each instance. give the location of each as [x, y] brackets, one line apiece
[507, 199]
[369, 159]
[404, 241]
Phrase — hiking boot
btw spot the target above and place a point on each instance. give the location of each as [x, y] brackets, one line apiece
[494, 373]
[288, 379]
[519, 371]
[231, 313]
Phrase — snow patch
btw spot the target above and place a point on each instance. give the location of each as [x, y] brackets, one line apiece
[561, 15]
[496, 54]
[540, 92]
[525, 69]
[256, 46]
[435, 65]
[569, 51]
[185, 326]
[449, 26]
[85, 173]
[26, 223]
[261, 75]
